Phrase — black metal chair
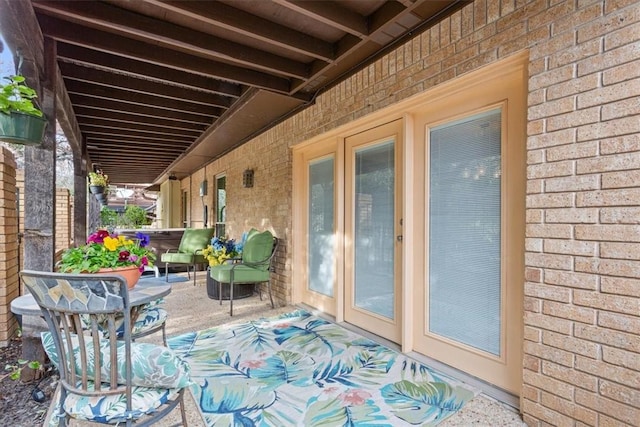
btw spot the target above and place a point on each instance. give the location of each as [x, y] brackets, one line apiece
[105, 380]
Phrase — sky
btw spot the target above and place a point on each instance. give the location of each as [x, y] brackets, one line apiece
[7, 67]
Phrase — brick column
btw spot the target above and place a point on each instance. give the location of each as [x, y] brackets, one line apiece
[9, 283]
[63, 219]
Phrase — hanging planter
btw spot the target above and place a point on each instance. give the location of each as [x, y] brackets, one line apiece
[98, 183]
[19, 128]
[96, 189]
[101, 197]
[20, 121]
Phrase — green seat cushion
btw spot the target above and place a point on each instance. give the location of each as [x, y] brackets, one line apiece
[195, 239]
[177, 257]
[241, 274]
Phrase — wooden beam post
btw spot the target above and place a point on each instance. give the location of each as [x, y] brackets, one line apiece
[40, 177]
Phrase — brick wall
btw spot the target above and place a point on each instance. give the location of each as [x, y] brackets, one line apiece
[9, 283]
[582, 290]
[63, 219]
[582, 281]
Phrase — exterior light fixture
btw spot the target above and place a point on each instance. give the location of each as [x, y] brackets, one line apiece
[247, 178]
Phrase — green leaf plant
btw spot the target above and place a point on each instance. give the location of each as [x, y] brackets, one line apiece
[16, 96]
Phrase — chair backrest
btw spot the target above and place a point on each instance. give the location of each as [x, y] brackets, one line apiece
[195, 239]
[103, 301]
[259, 249]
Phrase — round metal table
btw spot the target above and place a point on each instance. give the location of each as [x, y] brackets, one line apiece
[145, 291]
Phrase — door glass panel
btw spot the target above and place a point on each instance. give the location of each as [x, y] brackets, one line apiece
[464, 231]
[221, 205]
[321, 227]
[374, 228]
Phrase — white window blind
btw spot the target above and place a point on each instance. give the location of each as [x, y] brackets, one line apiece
[321, 262]
[464, 231]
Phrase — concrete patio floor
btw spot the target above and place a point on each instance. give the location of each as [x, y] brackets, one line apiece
[190, 309]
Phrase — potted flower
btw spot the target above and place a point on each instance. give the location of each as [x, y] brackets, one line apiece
[109, 253]
[20, 121]
[98, 182]
[218, 252]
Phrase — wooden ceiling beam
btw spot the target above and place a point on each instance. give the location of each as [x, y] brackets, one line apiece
[110, 132]
[134, 84]
[75, 87]
[115, 125]
[246, 24]
[154, 149]
[93, 59]
[117, 45]
[124, 117]
[121, 22]
[330, 14]
[140, 110]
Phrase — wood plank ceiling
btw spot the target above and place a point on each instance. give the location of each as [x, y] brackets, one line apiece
[163, 87]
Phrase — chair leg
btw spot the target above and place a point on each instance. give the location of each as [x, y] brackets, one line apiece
[220, 292]
[166, 271]
[194, 274]
[270, 297]
[183, 414]
[231, 298]
[164, 334]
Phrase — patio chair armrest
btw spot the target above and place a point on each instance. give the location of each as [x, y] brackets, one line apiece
[169, 251]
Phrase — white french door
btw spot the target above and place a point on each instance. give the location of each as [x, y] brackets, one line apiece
[373, 235]
[468, 301]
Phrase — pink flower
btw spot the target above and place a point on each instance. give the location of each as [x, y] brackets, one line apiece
[355, 397]
[98, 237]
[252, 364]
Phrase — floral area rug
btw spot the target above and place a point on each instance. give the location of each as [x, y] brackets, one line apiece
[299, 370]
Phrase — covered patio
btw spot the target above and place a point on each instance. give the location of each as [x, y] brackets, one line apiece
[186, 299]
[458, 177]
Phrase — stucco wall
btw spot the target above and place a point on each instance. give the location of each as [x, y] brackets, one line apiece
[582, 284]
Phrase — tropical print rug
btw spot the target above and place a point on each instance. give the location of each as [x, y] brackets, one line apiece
[300, 370]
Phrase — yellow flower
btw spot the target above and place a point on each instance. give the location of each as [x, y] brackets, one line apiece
[110, 243]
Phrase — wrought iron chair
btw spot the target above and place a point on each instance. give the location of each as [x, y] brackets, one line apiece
[104, 380]
[189, 252]
[255, 267]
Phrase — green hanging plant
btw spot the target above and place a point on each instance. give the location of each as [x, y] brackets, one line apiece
[17, 97]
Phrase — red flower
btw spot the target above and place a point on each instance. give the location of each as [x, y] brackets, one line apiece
[123, 256]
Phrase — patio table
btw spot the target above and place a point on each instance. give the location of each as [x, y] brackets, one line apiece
[145, 291]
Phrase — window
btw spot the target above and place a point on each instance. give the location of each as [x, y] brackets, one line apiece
[221, 204]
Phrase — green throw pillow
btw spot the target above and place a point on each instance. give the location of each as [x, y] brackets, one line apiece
[152, 365]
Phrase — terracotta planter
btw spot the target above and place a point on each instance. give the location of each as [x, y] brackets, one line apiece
[131, 274]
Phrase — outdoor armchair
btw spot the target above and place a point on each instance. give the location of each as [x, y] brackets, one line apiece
[104, 380]
[189, 252]
[255, 266]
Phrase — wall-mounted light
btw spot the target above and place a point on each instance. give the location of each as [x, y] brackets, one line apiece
[247, 178]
